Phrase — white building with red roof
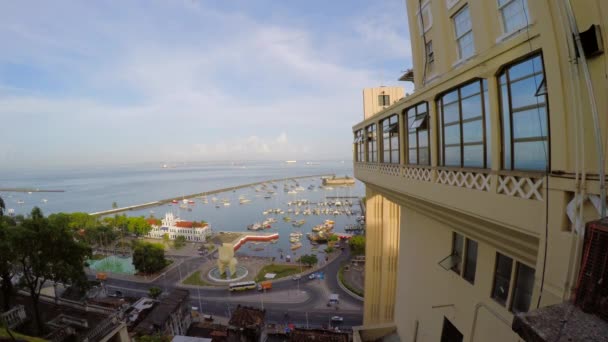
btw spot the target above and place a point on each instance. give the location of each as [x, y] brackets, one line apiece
[174, 227]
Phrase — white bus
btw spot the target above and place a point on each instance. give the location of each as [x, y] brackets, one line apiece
[245, 285]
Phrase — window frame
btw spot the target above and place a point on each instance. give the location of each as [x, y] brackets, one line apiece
[384, 100]
[371, 139]
[408, 131]
[460, 267]
[501, 7]
[504, 71]
[458, 37]
[512, 282]
[388, 125]
[424, 7]
[359, 146]
[465, 265]
[485, 123]
[429, 57]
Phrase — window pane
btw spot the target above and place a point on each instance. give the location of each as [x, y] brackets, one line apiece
[462, 22]
[523, 92]
[413, 156]
[530, 123]
[422, 108]
[423, 138]
[387, 156]
[470, 89]
[412, 140]
[524, 284]
[514, 15]
[452, 134]
[473, 156]
[470, 265]
[527, 67]
[506, 128]
[450, 113]
[457, 248]
[502, 278]
[472, 131]
[466, 45]
[452, 156]
[450, 97]
[424, 156]
[395, 156]
[530, 155]
[471, 107]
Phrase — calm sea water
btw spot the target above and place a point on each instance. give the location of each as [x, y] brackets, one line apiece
[95, 189]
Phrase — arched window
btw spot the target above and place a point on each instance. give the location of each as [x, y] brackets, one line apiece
[525, 116]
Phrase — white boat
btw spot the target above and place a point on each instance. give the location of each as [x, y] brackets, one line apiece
[44, 200]
[244, 201]
[185, 201]
[292, 192]
[20, 201]
[226, 204]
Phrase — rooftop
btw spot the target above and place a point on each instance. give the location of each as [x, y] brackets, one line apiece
[317, 335]
[560, 323]
[161, 312]
[247, 317]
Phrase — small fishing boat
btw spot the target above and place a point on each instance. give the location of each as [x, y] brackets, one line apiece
[174, 201]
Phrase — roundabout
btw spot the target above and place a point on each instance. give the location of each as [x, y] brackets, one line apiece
[215, 275]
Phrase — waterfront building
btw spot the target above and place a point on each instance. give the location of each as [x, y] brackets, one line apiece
[377, 99]
[170, 317]
[480, 182]
[174, 227]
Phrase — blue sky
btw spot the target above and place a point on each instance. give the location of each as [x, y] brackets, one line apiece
[95, 82]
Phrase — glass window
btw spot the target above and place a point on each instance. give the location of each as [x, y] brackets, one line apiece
[372, 144]
[514, 14]
[522, 293]
[425, 17]
[457, 249]
[502, 278]
[464, 126]
[464, 33]
[429, 57]
[384, 100]
[390, 135]
[360, 146]
[525, 116]
[417, 125]
[470, 261]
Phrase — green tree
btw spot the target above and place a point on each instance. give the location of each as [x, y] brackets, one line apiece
[154, 292]
[166, 239]
[47, 252]
[7, 261]
[114, 205]
[153, 338]
[179, 242]
[80, 220]
[332, 238]
[2, 207]
[357, 244]
[138, 225]
[149, 257]
[309, 259]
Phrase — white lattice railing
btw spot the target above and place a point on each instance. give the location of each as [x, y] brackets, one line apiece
[367, 166]
[390, 169]
[417, 173]
[521, 186]
[464, 179]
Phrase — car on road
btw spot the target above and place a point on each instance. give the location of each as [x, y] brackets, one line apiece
[337, 318]
[296, 277]
[312, 276]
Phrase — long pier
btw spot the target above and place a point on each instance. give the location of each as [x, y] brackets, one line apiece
[206, 193]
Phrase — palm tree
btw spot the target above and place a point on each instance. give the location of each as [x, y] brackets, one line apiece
[2, 207]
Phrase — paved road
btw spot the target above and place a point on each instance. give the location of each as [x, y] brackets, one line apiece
[298, 313]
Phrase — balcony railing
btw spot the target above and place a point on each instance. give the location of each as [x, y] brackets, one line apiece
[525, 185]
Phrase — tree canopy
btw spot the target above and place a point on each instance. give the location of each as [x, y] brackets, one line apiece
[180, 241]
[309, 259]
[357, 244]
[149, 257]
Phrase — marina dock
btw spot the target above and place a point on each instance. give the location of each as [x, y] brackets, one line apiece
[206, 193]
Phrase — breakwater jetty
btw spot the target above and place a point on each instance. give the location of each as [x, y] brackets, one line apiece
[206, 193]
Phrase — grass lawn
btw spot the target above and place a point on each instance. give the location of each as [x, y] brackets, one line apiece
[195, 279]
[282, 271]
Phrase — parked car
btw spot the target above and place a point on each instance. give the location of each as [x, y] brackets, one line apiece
[312, 276]
[296, 277]
[337, 318]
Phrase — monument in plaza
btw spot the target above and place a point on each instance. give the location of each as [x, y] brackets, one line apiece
[226, 259]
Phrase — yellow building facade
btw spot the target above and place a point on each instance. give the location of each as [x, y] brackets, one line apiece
[377, 99]
[478, 184]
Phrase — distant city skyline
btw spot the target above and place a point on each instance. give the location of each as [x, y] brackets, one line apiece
[183, 81]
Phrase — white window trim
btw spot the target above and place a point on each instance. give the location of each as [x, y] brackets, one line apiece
[516, 30]
[451, 3]
[425, 5]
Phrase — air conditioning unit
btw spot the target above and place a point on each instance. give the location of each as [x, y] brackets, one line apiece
[592, 289]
